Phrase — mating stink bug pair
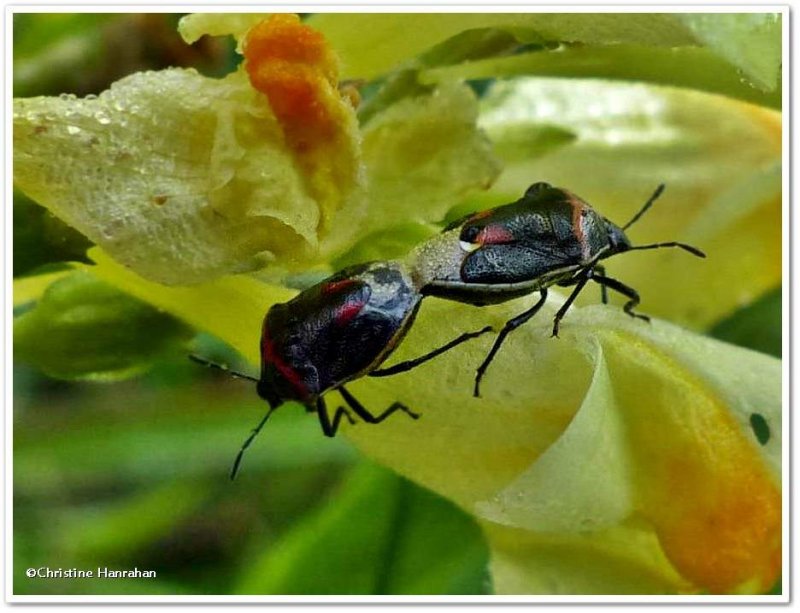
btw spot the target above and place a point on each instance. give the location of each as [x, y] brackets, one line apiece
[346, 326]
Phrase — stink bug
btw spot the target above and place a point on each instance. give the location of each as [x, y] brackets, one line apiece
[339, 330]
[548, 237]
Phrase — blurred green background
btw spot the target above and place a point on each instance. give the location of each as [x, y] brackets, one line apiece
[134, 473]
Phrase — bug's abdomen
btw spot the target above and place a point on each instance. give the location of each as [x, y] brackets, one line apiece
[336, 330]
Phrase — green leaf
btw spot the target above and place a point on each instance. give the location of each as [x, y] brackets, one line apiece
[83, 328]
[374, 44]
[113, 532]
[52, 51]
[148, 440]
[40, 238]
[690, 67]
[750, 41]
[379, 535]
[29, 289]
[755, 326]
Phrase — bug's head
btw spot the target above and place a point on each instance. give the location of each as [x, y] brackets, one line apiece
[267, 392]
[617, 239]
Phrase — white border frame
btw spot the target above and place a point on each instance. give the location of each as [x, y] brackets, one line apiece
[443, 7]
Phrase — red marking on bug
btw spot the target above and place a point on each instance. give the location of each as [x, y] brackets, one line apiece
[494, 234]
[347, 312]
[335, 287]
[270, 356]
[578, 211]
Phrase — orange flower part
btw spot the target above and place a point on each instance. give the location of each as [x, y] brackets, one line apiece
[293, 65]
[296, 69]
[703, 485]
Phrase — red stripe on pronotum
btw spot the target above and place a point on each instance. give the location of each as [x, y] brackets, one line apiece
[347, 312]
[494, 234]
[270, 356]
[335, 286]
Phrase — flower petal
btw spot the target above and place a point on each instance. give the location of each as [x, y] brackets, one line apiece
[625, 559]
[178, 176]
[570, 439]
[421, 156]
[195, 25]
[232, 308]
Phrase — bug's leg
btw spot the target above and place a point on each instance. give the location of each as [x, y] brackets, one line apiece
[510, 325]
[600, 271]
[368, 417]
[408, 365]
[628, 292]
[579, 282]
[330, 426]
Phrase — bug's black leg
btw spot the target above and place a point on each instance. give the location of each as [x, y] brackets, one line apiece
[628, 292]
[600, 271]
[408, 365]
[510, 325]
[330, 426]
[368, 417]
[579, 282]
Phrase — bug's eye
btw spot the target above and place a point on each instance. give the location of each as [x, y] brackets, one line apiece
[469, 234]
[537, 188]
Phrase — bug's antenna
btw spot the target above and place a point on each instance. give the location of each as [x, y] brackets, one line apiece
[684, 246]
[647, 205]
[222, 367]
[246, 444]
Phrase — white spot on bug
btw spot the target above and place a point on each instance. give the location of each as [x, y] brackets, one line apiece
[468, 247]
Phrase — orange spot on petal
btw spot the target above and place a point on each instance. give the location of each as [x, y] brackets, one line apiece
[293, 65]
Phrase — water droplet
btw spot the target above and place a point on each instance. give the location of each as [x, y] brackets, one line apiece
[91, 97]
[73, 130]
[102, 118]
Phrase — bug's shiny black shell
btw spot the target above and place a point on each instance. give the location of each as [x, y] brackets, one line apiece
[335, 331]
[546, 230]
[509, 251]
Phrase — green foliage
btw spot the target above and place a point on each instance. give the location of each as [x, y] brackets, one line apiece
[757, 325]
[83, 328]
[406, 540]
[40, 238]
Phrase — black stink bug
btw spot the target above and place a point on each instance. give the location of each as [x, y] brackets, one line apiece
[548, 237]
[339, 330]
